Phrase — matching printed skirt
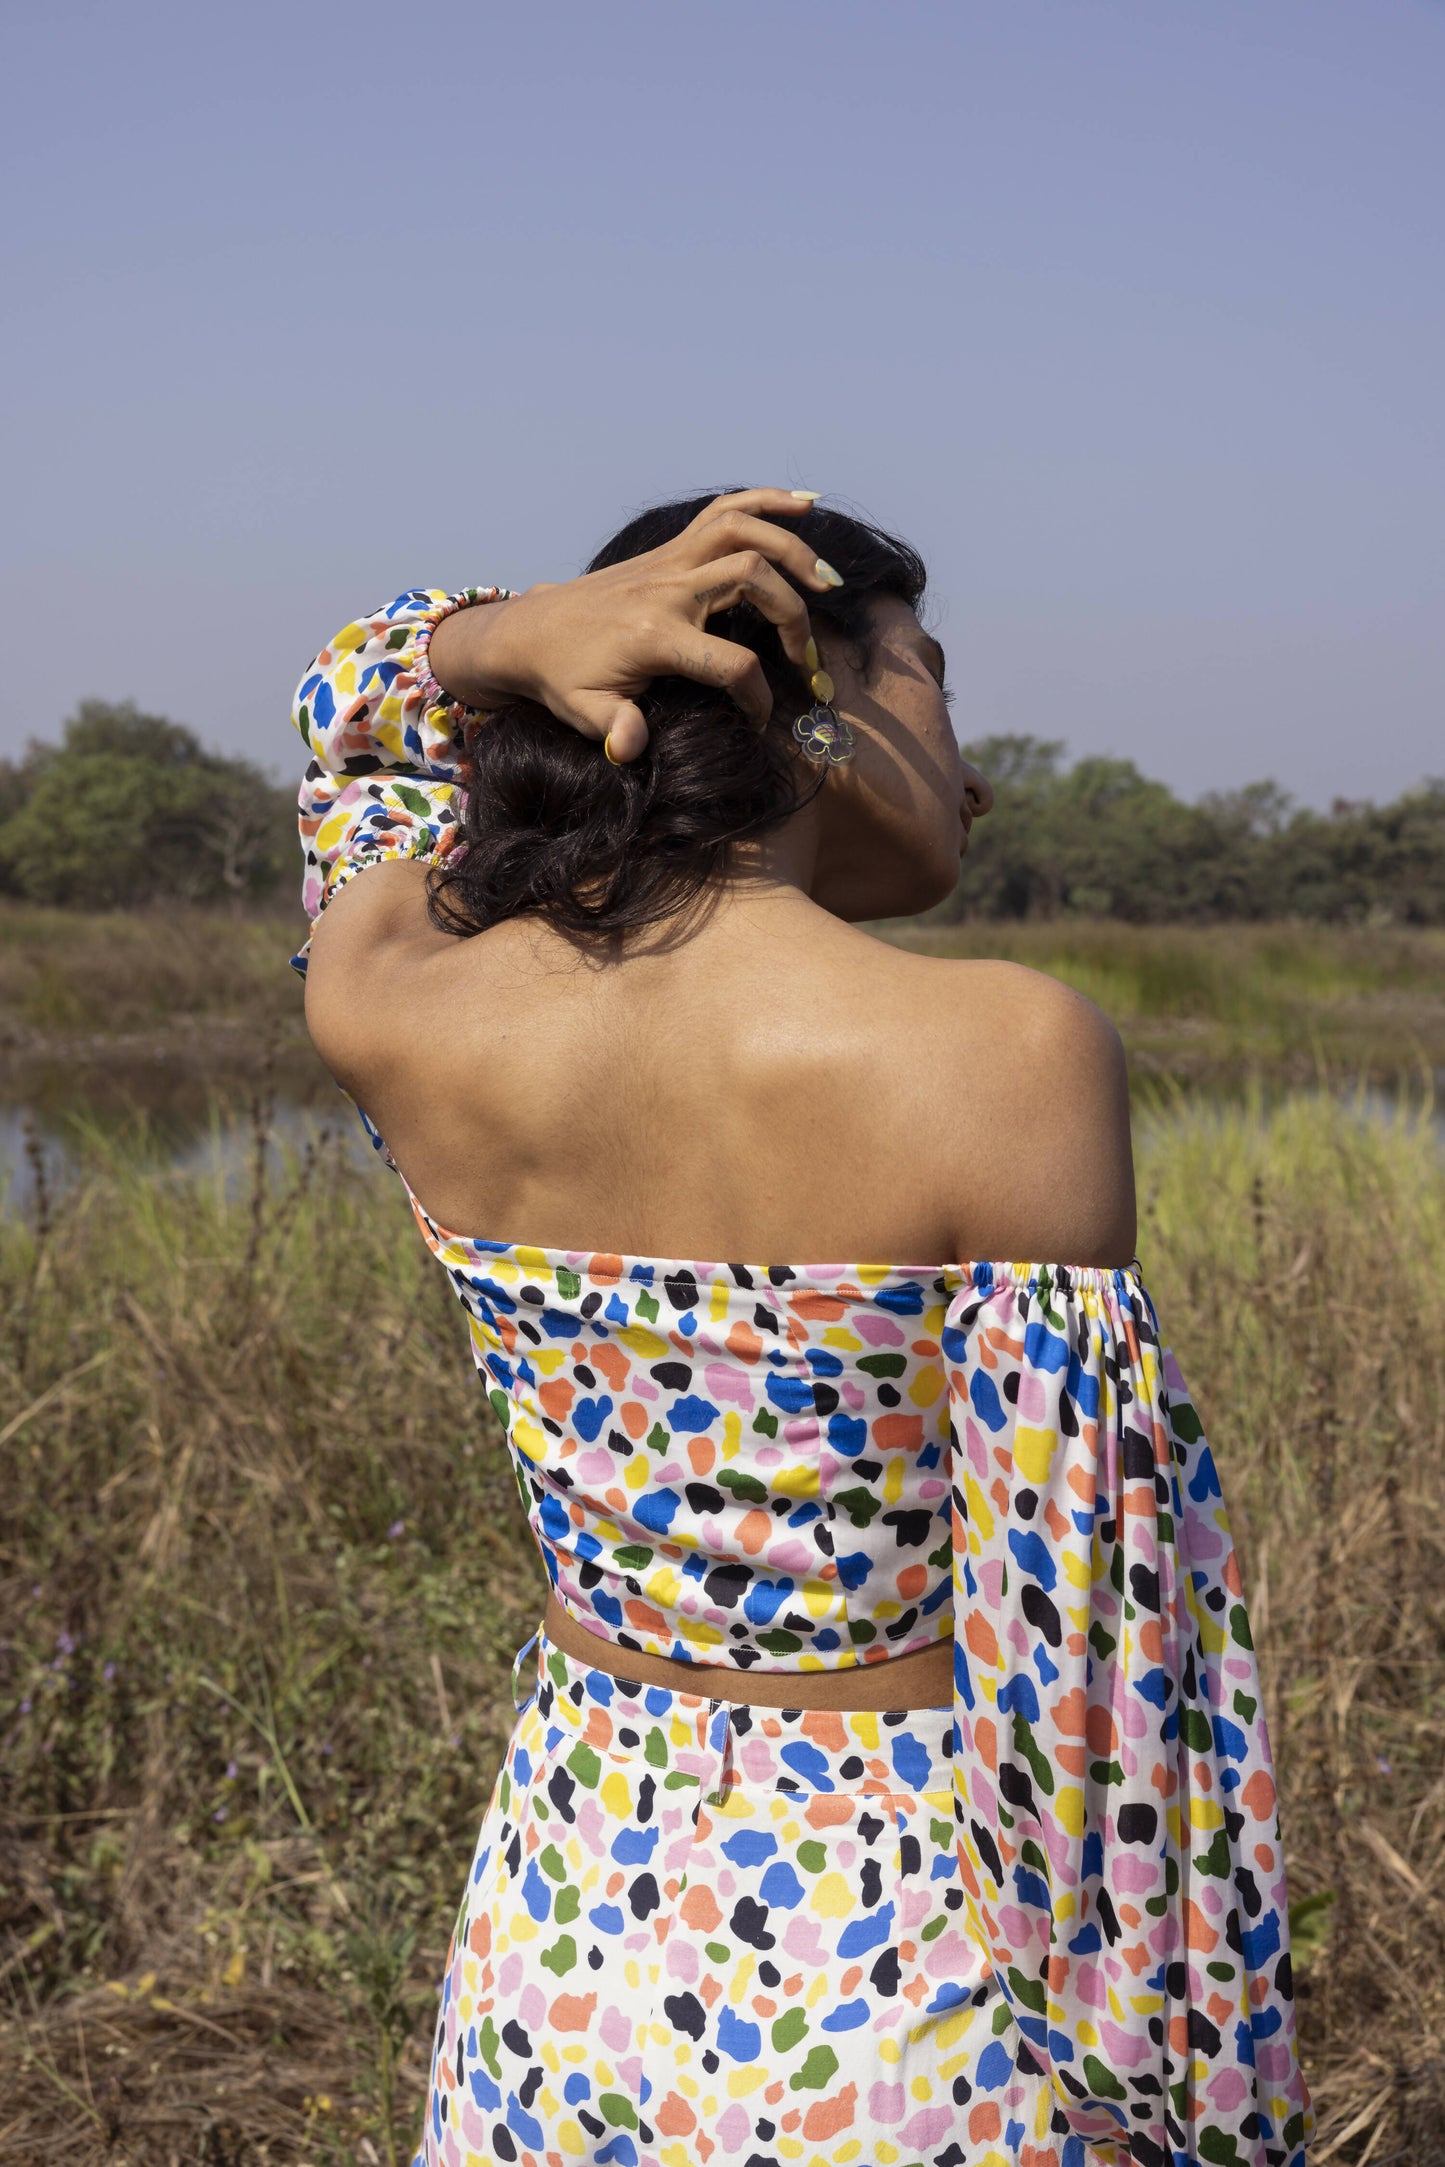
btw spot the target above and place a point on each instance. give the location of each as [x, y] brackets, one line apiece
[698, 1931]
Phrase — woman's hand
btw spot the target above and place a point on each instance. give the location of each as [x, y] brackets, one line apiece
[587, 648]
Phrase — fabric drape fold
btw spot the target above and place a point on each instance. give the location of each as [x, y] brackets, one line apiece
[1115, 1807]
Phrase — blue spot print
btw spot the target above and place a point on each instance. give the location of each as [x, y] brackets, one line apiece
[1061, 2047]
[860, 1935]
[588, 1416]
[607, 1918]
[737, 2039]
[1045, 1350]
[659, 1700]
[949, 1996]
[577, 2087]
[553, 1518]
[809, 1762]
[847, 2018]
[995, 2066]
[853, 1569]
[524, 2125]
[535, 1892]
[1153, 1687]
[1258, 1943]
[484, 2092]
[792, 1394]
[635, 1846]
[984, 1400]
[622, 2152]
[749, 1847]
[1229, 1740]
[1031, 1888]
[764, 1599]
[1032, 1553]
[691, 1415]
[323, 704]
[1204, 1482]
[656, 1509]
[1018, 1694]
[522, 1767]
[781, 1886]
[607, 1607]
[912, 1761]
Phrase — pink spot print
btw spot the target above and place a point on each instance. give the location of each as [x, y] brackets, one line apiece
[734, 2127]
[886, 2104]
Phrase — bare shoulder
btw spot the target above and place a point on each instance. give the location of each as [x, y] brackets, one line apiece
[364, 948]
[1046, 1165]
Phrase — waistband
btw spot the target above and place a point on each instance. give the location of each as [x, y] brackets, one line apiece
[893, 1756]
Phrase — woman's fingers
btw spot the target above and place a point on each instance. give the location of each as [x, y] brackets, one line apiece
[737, 670]
[748, 577]
[730, 531]
[618, 723]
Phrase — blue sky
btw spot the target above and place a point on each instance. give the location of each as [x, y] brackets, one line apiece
[1131, 313]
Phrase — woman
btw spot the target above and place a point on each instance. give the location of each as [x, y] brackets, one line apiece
[894, 1789]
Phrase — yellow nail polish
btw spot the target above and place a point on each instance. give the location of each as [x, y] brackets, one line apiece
[822, 688]
[826, 572]
[806, 496]
[810, 657]
[607, 749]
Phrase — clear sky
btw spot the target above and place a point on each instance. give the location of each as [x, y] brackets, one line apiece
[1131, 313]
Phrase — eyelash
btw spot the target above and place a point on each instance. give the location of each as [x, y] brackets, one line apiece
[947, 690]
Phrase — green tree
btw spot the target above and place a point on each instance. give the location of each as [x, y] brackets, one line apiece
[130, 808]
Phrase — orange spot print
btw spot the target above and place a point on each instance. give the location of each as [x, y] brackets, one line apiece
[764, 2007]
[827, 2116]
[851, 1977]
[1151, 1640]
[1058, 1523]
[753, 1531]
[818, 1308]
[825, 1727]
[792, 2118]
[675, 2117]
[599, 1727]
[985, 2123]
[898, 1433]
[1258, 1794]
[1081, 1482]
[479, 1936]
[1220, 2008]
[699, 1909]
[701, 1452]
[1070, 1711]
[912, 1581]
[557, 1397]
[612, 1361]
[981, 1637]
[1074, 1760]
[634, 1418]
[1101, 1731]
[985, 1738]
[710, 1990]
[773, 2094]
[571, 2012]
[744, 1342]
[1179, 2036]
[645, 1618]
[1198, 1933]
[604, 1266]
[828, 1811]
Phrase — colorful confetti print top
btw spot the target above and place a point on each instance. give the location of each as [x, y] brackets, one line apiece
[811, 1467]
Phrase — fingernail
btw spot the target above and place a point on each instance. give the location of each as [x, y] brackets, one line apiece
[822, 687]
[810, 656]
[806, 496]
[825, 571]
[607, 749]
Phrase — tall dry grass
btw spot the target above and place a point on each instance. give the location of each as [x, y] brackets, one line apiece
[263, 1571]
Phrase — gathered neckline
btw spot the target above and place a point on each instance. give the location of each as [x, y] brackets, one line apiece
[615, 1267]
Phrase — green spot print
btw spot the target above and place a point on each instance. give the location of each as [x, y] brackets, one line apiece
[1102, 2080]
[488, 2039]
[658, 1439]
[882, 1365]
[789, 2029]
[647, 1307]
[745, 1488]
[812, 1857]
[567, 1905]
[1245, 1705]
[860, 1505]
[766, 1422]
[1029, 1991]
[1239, 1627]
[569, 1284]
[585, 1766]
[934, 1928]
[550, 1861]
[941, 1833]
[654, 1749]
[561, 1956]
[822, 2063]
[1194, 1730]
[633, 1556]
[718, 1951]
[618, 2110]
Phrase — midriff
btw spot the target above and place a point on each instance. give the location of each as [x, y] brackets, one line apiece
[921, 1680]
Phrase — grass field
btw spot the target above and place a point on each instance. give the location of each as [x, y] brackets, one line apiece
[263, 1571]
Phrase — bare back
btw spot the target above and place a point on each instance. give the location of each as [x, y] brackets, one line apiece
[775, 1085]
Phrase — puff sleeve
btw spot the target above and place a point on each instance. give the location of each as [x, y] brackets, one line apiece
[1118, 1839]
[383, 779]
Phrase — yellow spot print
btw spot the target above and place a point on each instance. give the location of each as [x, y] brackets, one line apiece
[926, 1386]
[664, 1585]
[641, 1341]
[635, 1473]
[571, 2139]
[717, 1307]
[832, 1898]
[1069, 1806]
[531, 1439]
[979, 1515]
[1205, 1813]
[1034, 1452]
[798, 1481]
[743, 2081]
[893, 1478]
[348, 639]
[863, 1723]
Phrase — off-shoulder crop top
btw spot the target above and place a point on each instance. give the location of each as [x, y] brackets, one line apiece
[810, 1467]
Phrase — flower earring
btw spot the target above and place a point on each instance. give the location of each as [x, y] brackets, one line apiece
[825, 737]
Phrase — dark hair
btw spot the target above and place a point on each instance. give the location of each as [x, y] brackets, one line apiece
[549, 827]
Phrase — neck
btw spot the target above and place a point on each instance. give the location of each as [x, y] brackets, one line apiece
[778, 867]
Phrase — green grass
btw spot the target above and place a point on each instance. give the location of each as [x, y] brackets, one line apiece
[263, 1571]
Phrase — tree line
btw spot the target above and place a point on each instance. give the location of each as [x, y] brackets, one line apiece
[131, 809]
